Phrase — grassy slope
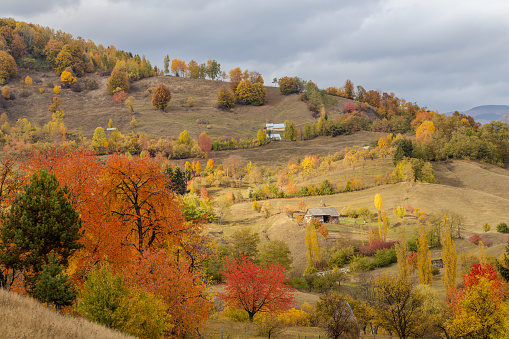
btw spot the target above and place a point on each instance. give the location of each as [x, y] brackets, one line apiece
[22, 317]
[87, 110]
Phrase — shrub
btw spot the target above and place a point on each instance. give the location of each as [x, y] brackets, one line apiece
[24, 94]
[359, 264]
[76, 87]
[435, 270]
[374, 246]
[6, 92]
[341, 257]
[474, 238]
[90, 84]
[120, 97]
[57, 89]
[385, 257]
[236, 314]
[502, 228]
[299, 283]
[487, 242]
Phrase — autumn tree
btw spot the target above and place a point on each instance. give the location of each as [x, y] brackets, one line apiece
[204, 143]
[449, 255]
[40, 221]
[138, 196]
[8, 67]
[213, 69]
[108, 299]
[275, 251]
[166, 64]
[118, 79]
[235, 78]
[312, 249]
[424, 262]
[161, 97]
[67, 79]
[225, 97]
[256, 288]
[348, 89]
[288, 85]
[336, 316]
[28, 81]
[244, 242]
[402, 253]
[382, 218]
[477, 307]
[398, 306]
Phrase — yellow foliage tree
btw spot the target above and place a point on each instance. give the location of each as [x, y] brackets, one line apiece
[449, 255]
[425, 131]
[401, 253]
[210, 164]
[67, 78]
[57, 89]
[28, 81]
[312, 249]
[424, 262]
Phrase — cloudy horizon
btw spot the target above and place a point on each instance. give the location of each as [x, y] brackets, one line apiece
[445, 55]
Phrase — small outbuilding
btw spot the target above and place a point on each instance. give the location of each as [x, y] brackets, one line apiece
[325, 215]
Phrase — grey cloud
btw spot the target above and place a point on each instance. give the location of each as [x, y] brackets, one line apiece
[14, 8]
[445, 55]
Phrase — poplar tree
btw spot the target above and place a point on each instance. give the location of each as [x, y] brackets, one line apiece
[424, 263]
[401, 253]
[449, 255]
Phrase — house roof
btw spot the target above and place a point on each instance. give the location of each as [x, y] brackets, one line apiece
[323, 211]
[275, 126]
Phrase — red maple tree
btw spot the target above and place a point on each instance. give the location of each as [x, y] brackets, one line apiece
[256, 288]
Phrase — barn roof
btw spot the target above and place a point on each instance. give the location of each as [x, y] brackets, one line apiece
[323, 211]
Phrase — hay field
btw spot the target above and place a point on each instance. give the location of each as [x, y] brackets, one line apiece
[21, 317]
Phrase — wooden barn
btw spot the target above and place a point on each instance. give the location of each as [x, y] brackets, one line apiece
[325, 215]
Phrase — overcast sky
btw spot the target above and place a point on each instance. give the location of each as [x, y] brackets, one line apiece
[446, 55]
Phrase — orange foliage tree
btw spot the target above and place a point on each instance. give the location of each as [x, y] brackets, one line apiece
[161, 97]
[132, 220]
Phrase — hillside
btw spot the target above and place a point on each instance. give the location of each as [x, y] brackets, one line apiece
[22, 317]
[86, 110]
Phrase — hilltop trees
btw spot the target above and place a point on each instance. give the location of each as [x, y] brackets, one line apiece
[161, 97]
[118, 79]
[8, 68]
[288, 85]
[225, 97]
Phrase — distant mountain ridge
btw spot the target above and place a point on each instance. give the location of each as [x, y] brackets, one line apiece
[487, 113]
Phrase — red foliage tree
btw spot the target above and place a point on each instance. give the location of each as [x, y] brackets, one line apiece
[349, 107]
[256, 288]
[204, 143]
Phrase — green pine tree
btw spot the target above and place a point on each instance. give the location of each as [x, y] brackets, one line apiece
[54, 287]
[41, 220]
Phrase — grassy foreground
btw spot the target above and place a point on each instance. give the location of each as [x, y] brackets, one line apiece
[21, 317]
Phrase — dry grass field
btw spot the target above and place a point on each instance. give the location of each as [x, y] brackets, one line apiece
[21, 317]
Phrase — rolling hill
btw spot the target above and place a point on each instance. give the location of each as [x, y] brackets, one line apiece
[88, 109]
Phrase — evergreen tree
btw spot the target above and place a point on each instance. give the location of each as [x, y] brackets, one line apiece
[41, 220]
[53, 286]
